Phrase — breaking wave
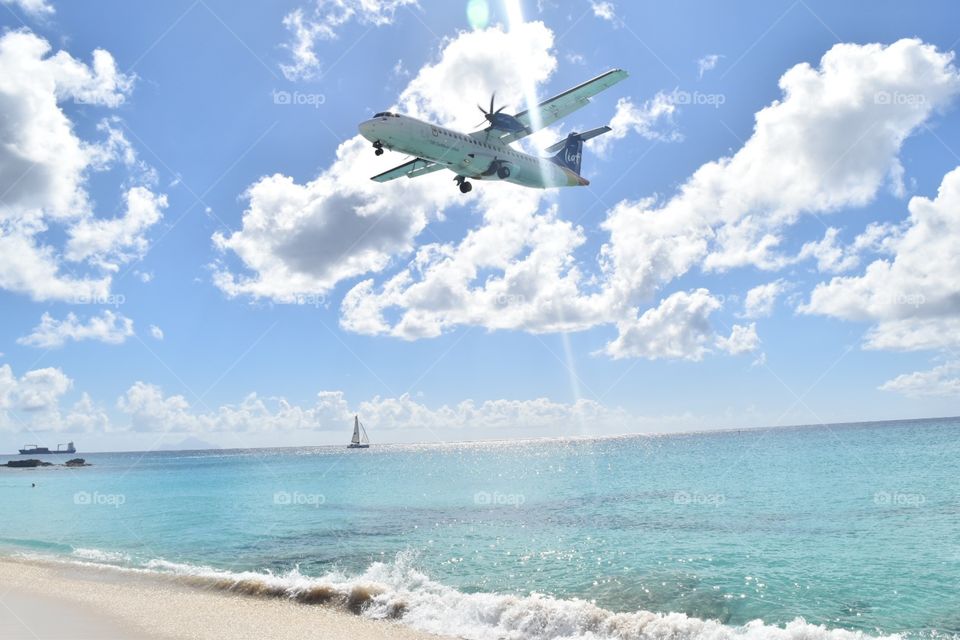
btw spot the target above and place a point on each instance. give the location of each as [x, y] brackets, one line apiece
[399, 591]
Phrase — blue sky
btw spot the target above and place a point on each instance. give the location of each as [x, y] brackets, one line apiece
[189, 96]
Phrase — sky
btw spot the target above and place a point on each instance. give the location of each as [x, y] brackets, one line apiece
[192, 252]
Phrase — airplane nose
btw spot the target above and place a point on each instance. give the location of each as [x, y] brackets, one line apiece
[367, 129]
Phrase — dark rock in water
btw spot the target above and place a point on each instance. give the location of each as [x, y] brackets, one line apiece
[76, 462]
[30, 463]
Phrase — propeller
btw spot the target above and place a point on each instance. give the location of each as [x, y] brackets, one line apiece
[489, 115]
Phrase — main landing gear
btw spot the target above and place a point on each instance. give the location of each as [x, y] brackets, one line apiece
[378, 148]
[465, 186]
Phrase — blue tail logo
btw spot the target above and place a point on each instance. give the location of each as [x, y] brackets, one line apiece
[571, 153]
[570, 149]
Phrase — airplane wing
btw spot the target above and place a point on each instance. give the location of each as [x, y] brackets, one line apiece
[413, 169]
[562, 105]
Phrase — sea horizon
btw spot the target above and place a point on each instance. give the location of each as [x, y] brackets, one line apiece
[638, 434]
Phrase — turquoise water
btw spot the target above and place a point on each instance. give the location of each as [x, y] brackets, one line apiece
[853, 527]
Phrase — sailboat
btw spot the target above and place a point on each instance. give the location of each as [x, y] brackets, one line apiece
[359, 439]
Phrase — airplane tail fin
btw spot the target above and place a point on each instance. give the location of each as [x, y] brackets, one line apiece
[570, 149]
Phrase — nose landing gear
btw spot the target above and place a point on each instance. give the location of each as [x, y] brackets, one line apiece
[465, 186]
[378, 148]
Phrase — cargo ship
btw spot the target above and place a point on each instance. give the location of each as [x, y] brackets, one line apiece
[32, 449]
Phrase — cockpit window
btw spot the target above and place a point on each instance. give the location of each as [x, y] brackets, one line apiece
[384, 114]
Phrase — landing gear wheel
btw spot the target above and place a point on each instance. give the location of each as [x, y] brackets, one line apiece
[503, 173]
[465, 187]
[378, 151]
[378, 148]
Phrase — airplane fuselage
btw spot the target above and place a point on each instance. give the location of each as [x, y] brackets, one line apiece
[478, 156]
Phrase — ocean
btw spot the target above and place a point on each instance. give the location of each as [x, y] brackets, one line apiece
[807, 532]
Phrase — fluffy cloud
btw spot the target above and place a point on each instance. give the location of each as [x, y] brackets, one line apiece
[707, 63]
[39, 389]
[32, 403]
[301, 239]
[742, 339]
[678, 328]
[530, 283]
[914, 297]
[603, 9]
[941, 381]
[832, 257]
[109, 327]
[156, 332]
[652, 120]
[150, 410]
[37, 8]
[44, 167]
[761, 299]
[321, 20]
[111, 242]
[829, 143]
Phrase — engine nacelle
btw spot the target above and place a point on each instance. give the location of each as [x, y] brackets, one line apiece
[498, 170]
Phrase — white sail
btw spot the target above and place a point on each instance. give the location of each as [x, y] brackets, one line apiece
[359, 439]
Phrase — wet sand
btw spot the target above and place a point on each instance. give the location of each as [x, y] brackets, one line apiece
[52, 601]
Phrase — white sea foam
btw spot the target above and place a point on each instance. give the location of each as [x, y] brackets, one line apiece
[96, 555]
[398, 590]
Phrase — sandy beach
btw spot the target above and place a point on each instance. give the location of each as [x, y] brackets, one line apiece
[50, 601]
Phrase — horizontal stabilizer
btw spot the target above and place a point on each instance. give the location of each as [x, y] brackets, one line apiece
[586, 135]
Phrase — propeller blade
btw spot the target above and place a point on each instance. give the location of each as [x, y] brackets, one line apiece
[500, 109]
[482, 110]
[493, 96]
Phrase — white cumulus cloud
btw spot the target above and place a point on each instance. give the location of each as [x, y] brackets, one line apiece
[37, 8]
[679, 327]
[108, 327]
[44, 168]
[760, 300]
[913, 297]
[322, 19]
[941, 381]
[707, 63]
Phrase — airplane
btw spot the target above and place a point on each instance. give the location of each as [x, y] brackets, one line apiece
[487, 154]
